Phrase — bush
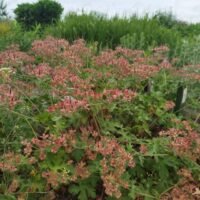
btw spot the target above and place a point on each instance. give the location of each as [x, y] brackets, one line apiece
[43, 12]
[76, 125]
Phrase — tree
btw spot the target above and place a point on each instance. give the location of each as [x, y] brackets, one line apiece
[3, 12]
[43, 12]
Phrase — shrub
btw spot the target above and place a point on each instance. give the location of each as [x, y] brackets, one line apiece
[43, 12]
[75, 125]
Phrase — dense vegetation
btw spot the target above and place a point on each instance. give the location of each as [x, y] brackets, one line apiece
[110, 116]
[80, 125]
[135, 32]
[43, 12]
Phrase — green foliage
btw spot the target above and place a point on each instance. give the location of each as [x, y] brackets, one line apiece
[131, 32]
[110, 31]
[43, 12]
[85, 189]
[5, 28]
[76, 123]
[167, 19]
[3, 12]
[188, 53]
[16, 35]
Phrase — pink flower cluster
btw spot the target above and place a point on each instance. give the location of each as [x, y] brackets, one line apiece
[161, 49]
[184, 141]
[10, 162]
[7, 95]
[79, 48]
[185, 74]
[50, 143]
[169, 105]
[14, 58]
[50, 47]
[113, 94]
[113, 166]
[68, 105]
[55, 178]
[132, 62]
[60, 51]
[145, 71]
[41, 70]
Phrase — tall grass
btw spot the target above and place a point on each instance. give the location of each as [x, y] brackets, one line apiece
[109, 31]
[132, 32]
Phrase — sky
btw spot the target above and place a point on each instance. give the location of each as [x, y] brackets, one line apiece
[187, 10]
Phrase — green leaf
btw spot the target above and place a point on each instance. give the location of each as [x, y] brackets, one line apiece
[78, 154]
[74, 189]
[7, 197]
[85, 189]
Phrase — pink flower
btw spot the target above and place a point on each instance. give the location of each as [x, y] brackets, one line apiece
[41, 70]
[68, 105]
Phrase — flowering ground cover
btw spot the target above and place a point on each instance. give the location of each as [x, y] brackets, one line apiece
[80, 124]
